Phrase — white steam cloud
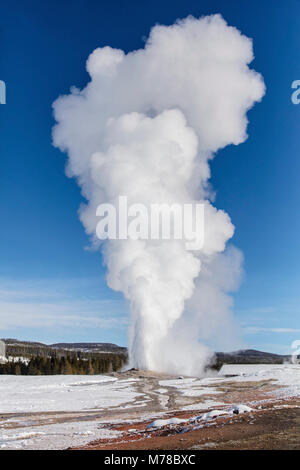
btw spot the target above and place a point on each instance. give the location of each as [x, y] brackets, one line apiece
[146, 126]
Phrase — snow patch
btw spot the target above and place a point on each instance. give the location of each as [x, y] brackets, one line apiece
[63, 393]
[160, 423]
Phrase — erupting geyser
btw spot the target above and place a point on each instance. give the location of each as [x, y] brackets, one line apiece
[145, 127]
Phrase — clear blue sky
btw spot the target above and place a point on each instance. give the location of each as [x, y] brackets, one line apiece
[51, 287]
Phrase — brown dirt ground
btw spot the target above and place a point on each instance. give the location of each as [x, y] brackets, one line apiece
[275, 426]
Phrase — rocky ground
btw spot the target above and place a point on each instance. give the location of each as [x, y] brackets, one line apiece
[272, 427]
[273, 423]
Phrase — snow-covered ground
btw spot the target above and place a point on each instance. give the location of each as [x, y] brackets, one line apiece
[56, 412]
[4, 359]
[60, 393]
[285, 375]
[192, 387]
[63, 393]
[53, 436]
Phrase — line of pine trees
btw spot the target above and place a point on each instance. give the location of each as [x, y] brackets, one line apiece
[38, 365]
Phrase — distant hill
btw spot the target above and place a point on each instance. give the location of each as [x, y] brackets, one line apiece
[15, 347]
[248, 356]
[17, 342]
[90, 347]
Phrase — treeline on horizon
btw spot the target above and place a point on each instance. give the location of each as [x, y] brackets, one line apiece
[61, 365]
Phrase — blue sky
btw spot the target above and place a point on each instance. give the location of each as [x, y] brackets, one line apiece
[52, 288]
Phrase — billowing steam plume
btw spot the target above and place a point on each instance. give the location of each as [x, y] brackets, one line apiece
[146, 126]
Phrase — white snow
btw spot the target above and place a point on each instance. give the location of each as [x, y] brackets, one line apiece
[285, 375]
[4, 359]
[191, 387]
[63, 393]
[85, 398]
[238, 409]
[68, 393]
[55, 436]
[212, 414]
[160, 423]
[205, 417]
[209, 415]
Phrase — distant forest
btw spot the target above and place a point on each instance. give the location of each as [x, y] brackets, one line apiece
[36, 359]
[65, 365]
[29, 358]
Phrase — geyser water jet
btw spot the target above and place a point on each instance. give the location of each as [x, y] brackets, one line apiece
[146, 127]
